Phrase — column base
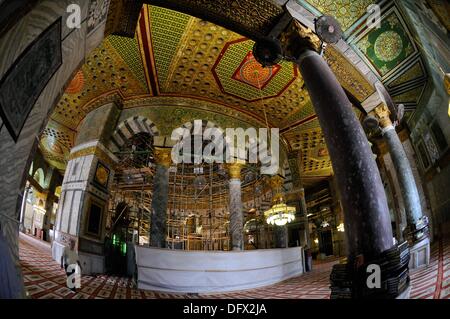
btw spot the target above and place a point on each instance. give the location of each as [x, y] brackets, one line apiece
[419, 231]
[350, 280]
[420, 254]
[406, 294]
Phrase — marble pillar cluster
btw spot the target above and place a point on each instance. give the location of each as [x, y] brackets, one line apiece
[158, 227]
[235, 206]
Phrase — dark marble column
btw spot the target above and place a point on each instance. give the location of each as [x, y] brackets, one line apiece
[281, 236]
[366, 215]
[367, 220]
[410, 194]
[236, 215]
[158, 227]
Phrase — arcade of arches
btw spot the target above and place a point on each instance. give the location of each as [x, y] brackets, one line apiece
[350, 118]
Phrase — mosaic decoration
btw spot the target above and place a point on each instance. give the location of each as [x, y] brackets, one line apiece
[347, 12]
[415, 72]
[387, 46]
[178, 67]
[101, 176]
[314, 159]
[348, 75]
[237, 64]
[253, 73]
[128, 49]
[77, 83]
[166, 38]
[23, 83]
[104, 71]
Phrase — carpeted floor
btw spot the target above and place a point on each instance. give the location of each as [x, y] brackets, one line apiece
[45, 280]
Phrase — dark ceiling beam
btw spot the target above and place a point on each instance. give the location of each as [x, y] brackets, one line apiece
[253, 19]
[123, 17]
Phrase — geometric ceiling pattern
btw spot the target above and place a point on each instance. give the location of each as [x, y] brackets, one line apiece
[390, 51]
[388, 46]
[347, 12]
[239, 74]
[177, 56]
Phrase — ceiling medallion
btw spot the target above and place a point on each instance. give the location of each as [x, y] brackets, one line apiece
[253, 73]
[388, 46]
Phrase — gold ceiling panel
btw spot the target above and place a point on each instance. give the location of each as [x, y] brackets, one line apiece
[190, 71]
[310, 141]
[347, 12]
[414, 72]
[171, 62]
[103, 72]
[55, 144]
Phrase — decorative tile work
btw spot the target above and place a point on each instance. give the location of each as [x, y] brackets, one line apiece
[388, 46]
[104, 71]
[409, 96]
[166, 38]
[234, 61]
[347, 12]
[128, 49]
[414, 72]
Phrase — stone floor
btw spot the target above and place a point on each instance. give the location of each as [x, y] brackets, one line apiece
[45, 280]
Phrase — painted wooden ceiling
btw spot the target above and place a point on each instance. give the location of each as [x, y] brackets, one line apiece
[178, 57]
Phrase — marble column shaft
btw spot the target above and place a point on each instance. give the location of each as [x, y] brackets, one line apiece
[367, 219]
[304, 209]
[236, 216]
[281, 236]
[405, 175]
[159, 206]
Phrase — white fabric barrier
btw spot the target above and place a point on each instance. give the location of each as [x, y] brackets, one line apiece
[215, 271]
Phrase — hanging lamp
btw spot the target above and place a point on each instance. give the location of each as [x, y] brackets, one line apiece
[279, 214]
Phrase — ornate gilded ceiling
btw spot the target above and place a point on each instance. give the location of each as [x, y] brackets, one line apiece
[178, 68]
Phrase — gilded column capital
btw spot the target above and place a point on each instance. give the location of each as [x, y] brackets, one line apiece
[276, 182]
[234, 169]
[163, 156]
[382, 113]
[297, 38]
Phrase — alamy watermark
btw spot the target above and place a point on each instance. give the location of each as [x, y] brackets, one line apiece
[74, 279]
[213, 145]
[74, 19]
[374, 279]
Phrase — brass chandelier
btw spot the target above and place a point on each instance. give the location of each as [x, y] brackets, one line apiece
[279, 214]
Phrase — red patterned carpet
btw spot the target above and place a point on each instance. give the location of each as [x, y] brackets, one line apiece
[45, 280]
